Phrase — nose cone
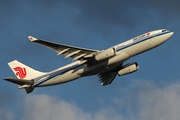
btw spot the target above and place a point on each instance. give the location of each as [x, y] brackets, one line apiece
[169, 35]
[156, 41]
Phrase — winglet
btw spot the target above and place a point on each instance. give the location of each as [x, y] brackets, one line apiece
[32, 38]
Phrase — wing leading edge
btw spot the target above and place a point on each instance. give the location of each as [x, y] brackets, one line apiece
[76, 53]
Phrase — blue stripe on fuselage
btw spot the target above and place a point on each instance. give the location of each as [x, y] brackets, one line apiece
[60, 73]
[136, 42]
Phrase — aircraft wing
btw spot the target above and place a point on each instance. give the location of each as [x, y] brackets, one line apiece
[76, 53]
[107, 78]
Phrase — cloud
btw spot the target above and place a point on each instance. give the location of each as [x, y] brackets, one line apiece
[50, 108]
[148, 102]
[160, 103]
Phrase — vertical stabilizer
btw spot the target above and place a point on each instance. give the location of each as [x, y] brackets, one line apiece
[23, 71]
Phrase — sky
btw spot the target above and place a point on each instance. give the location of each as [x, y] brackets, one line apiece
[151, 93]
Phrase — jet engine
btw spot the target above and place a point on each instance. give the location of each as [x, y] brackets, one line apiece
[105, 54]
[128, 68]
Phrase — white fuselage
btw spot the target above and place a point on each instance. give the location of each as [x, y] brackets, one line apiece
[124, 51]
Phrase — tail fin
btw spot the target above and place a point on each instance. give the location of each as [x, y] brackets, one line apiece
[23, 71]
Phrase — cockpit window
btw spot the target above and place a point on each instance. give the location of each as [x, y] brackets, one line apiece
[164, 30]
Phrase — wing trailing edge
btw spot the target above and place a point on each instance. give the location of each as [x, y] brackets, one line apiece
[77, 53]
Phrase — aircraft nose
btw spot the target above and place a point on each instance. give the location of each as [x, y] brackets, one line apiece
[161, 39]
[170, 34]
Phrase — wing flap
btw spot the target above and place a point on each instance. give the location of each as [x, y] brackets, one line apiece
[107, 78]
[76, 53]
[72, 53]
[76, 57]
[62, 51]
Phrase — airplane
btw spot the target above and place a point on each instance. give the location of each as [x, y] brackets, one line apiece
[106, 64]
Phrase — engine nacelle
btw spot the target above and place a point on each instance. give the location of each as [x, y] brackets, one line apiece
[105, 54]
[128, 68]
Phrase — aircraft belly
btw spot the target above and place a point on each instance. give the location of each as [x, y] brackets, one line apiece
[106, 65]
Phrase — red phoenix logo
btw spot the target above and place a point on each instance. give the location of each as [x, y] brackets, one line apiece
[148, 33]
[21, 72]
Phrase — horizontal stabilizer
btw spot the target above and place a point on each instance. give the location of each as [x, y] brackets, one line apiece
[19, 81]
